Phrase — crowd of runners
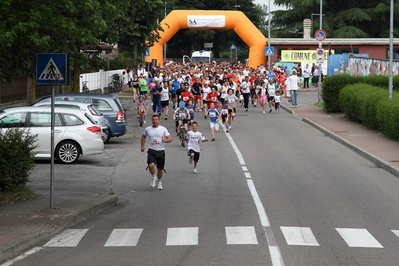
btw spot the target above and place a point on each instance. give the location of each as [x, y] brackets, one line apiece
[213, 91]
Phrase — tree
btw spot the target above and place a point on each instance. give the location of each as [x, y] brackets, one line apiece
[138, 26]
[342, 18]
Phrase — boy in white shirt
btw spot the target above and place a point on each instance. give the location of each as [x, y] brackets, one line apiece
[194, 138]
[277, 101]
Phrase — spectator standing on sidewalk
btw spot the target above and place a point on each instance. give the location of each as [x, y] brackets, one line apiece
[157, 137]
[306, 75]
[293, 83]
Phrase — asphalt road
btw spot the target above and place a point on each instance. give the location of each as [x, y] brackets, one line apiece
[273, 191]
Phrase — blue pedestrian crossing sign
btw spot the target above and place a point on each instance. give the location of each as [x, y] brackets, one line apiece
[51, 69]
[269, 51]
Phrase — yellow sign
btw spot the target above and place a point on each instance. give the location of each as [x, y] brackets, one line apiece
[302, 55]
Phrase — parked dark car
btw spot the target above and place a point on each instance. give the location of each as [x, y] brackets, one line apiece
[109, 105]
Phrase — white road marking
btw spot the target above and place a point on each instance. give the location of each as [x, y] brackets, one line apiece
[68, 238]
[247, 175]
[358, 238]
[237, 151]
[396, 232]
[124, 238]
[21, 257]
[258, 203]
[182, 236]
[241, 235]
[275, 254]
[299, 236]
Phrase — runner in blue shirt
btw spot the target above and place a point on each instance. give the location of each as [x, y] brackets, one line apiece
[213, 115]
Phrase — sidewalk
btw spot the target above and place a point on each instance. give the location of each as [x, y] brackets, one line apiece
[24, 224]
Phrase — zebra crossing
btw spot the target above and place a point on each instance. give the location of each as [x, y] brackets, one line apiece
[234, 235]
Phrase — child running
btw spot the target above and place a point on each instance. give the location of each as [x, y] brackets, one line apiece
[277, 100]
[194, 138]
[213, 114]
[141, 106]
[224, 114]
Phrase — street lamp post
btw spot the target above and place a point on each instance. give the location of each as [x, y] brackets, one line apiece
[390, 85]
[165, 45]
[320, 46]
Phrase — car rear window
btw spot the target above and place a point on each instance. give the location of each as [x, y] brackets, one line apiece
[72, 120]
[90, 119]
[102, 105]
[119, 104]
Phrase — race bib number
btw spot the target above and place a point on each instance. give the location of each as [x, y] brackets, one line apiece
[156, 141]
[185, 98]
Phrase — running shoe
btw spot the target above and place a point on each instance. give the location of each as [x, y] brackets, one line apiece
[195, 170]
[190, 160]
[152, 184]
[213, 139]
[270, 110]
[264, 112]
[160, 186]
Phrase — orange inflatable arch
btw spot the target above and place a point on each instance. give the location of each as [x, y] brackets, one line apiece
[215, 20]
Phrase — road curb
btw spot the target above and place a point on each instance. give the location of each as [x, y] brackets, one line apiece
[48, 230]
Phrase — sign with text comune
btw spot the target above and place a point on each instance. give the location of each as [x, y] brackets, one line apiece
[51, 69]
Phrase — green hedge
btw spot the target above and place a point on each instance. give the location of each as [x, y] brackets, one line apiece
[370, 106]
[16, 158]
[332, 85]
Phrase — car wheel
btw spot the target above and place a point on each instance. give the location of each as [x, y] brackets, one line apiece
[67, 152]
[108, 136]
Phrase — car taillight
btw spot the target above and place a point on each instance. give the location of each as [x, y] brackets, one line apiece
[120, 117]
[94, 129]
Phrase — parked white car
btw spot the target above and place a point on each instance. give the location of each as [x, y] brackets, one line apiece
[75, 133]
[84, 108]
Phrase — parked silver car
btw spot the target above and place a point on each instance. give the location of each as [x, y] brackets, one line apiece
[75, 133]
[85, 108]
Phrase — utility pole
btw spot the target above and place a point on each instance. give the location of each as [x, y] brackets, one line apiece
[320, 46]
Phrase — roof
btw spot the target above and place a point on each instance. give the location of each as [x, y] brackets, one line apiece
[333, 41]
[42, 109]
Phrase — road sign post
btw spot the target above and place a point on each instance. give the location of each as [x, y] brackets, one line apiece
[52, 69]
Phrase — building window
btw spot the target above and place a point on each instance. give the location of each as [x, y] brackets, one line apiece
[395, 53]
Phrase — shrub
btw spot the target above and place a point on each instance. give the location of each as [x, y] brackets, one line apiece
[16, 158]
[387, 113]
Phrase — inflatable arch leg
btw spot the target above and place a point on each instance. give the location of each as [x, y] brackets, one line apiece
[215, 20]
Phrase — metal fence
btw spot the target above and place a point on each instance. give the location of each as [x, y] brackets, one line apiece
[99, 80]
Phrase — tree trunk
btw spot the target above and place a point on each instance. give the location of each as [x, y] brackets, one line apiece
[75, 80]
